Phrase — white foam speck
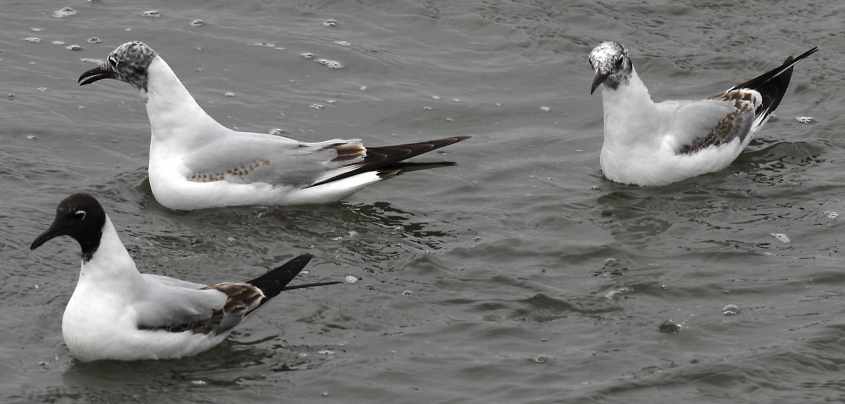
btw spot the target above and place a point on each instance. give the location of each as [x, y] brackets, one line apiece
[32, 39]
[331, 23]
[64, 12]
[342, 43]
[545, 108]
[152, 13]
[331, 64]
[783, 238]
[350, 279]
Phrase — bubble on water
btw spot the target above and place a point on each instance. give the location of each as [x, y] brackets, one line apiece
[263, 44]
[350, 279]
[331, 64]
[57, 43]
[64, 12]
[74, 47]
[152, 13]
[197, 22]
[831, 214]
[783, 238]
[540, 359]
[316, 106]
[669, 327]
[342, 43]
[331, 22]
[805, 119]
[229, 94]
[307, 55]
[407, 292]
[545, 108]
[94, 39]
[730, 310]
[91, 60]
[32, 39]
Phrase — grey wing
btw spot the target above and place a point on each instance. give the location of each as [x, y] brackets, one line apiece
[243, 157]
[173, 305]
[698, 125]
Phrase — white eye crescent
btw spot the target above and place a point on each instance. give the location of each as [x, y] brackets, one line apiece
[80, 214]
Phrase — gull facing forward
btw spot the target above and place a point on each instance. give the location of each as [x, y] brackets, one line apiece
[117, 313]
[648, 143]
[196, 163]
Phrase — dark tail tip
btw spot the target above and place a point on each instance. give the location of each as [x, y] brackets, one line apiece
[275, 280]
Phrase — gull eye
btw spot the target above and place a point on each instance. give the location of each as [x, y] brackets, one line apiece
[113, 61]
[80, 215]
[619, 62]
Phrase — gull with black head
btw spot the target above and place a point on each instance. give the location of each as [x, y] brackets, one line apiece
[658, 143]
[118, 313]
[195, 162]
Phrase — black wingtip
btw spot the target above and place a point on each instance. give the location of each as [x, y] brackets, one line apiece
[275, 280]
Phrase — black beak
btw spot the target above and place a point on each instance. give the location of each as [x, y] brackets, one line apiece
[48, 235]
[598, 79]
[98, 73]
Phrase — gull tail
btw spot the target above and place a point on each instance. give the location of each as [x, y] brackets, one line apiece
[771, 86]
[276, 280]
[386, 161]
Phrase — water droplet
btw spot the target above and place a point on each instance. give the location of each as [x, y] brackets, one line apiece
[730, 310]
[95, 39]
[545, 108]
[152, 13]
[783, 238]
[331, 64]
[197, 22]
[64, 12]
[350, 279]
[331, 23]
[805, 119]
[73, 47]
[32, 39]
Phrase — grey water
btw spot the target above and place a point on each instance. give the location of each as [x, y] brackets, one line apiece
[518, 276]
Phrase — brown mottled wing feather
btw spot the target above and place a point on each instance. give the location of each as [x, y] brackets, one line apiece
[734, 124]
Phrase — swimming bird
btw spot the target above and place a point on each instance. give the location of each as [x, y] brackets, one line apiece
[118, 313]
[195, 162]
[649, 143]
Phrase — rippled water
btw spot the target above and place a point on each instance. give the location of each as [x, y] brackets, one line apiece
[518, 276]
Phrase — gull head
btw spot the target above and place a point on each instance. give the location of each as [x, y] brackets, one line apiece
[128, 62]
[79, 216]
[611, 64]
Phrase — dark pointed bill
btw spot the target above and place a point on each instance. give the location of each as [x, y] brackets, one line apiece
[96, 74]
[597, 80]
[48, 235]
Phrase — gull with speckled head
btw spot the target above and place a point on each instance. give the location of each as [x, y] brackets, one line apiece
[658, 143]
[118, 313]
[195, 162]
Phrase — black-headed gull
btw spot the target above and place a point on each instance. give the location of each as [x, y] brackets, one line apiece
[118, 313]
[648, 143]
[196, 163]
